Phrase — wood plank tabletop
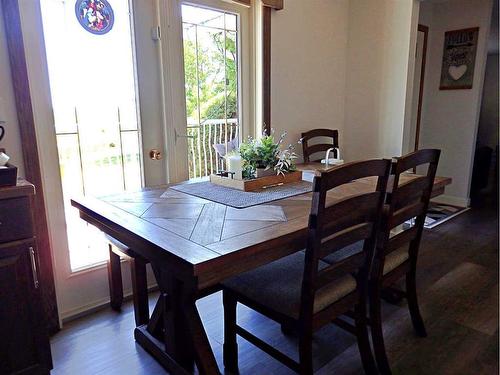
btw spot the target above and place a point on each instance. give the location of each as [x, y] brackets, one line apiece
[316, 167]
[209, 240]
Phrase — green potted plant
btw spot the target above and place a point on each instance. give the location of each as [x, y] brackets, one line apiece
[264, 157]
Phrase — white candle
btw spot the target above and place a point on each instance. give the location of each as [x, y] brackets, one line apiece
[4, 158]
[235, 165]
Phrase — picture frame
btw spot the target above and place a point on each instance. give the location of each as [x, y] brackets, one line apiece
[459, 58]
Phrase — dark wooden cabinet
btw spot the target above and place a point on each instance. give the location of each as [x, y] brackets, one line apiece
[24, 342]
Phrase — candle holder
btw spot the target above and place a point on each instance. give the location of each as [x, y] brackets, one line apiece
[225, 174]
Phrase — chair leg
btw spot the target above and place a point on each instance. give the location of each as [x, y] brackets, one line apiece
[305, 353]
[411, 293]
[364, 347]
[230, 344]
[377, 333]
[115, 280]
[140, 290]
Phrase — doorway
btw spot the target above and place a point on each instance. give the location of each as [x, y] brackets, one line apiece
[418, 87]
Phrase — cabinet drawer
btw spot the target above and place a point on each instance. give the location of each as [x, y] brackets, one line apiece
[15, 219]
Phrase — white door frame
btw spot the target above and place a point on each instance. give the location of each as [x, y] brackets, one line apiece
[172, 74]
[148, 67]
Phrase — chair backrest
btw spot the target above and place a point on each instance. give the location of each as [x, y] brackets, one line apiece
[334, 226]
[408, 197]
[308, 149]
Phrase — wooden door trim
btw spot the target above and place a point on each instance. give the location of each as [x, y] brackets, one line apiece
[425, 30]
[266, 69]
[273, 4]
[24, 108]
[267, 7]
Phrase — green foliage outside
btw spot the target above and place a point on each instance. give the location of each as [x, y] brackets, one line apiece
[216, 75]
[211, 85]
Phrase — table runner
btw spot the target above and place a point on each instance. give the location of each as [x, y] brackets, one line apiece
[242, 199]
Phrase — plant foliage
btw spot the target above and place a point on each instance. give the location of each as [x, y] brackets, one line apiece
[266, 153]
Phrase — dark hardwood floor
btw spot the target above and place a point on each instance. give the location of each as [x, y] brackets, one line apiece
[458, 289]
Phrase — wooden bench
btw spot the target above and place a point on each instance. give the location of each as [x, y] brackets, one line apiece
[117, 250]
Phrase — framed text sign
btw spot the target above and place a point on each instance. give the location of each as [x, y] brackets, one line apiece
[459, 57]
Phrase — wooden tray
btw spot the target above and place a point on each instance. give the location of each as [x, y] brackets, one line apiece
[258, 183]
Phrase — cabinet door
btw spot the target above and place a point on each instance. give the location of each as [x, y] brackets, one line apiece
[24, 346]
[15, 219]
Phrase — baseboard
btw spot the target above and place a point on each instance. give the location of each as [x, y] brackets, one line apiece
[452, 200]
[69, 315]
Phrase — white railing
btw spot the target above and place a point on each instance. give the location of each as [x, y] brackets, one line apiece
[203, 159]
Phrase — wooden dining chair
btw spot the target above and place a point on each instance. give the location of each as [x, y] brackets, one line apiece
[309, 149]
[304, 292]
[396, 255]
[117, 250]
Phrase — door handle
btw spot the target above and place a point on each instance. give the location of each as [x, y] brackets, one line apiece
[181, 135]
[33, 267]
[155, 154]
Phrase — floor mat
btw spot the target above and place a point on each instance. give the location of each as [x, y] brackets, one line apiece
[439, 213]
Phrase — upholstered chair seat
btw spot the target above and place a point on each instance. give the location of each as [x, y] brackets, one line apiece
[277, 286]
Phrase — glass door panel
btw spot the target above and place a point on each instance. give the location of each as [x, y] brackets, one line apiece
[90, 56]
[211, 68]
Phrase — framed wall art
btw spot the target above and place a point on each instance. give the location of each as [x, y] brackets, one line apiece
[459, 57]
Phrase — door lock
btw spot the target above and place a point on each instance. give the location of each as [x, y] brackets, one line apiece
[155, 154]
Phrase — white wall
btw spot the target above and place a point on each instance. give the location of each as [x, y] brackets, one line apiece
[309, 42]
[487, 134]
[450, 117]
[378, 71]
[12, 140]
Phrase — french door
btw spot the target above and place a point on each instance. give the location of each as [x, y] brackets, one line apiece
[104, 67]
[131, 109]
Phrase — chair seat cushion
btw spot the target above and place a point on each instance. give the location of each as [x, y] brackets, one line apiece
[278, 286]
[395, 259]
[392, 260]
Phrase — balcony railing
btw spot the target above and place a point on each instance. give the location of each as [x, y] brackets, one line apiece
[203, 159]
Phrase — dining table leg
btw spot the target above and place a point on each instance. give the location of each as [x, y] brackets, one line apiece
[178, 343]
[204, 356]
[175, 335]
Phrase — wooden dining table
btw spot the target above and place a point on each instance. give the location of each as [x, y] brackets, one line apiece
[193, 244]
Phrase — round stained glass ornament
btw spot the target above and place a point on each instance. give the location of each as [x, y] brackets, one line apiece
[95, 16]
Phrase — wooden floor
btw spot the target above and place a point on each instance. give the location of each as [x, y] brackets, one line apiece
[458, 288]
